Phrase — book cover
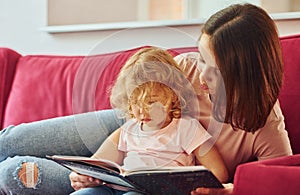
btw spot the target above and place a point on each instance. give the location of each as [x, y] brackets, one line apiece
[153, 180]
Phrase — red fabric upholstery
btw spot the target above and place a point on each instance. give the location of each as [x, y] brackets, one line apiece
[8, 61]
[47, 86]
[50, 86]
[290, 93]
[274, 177]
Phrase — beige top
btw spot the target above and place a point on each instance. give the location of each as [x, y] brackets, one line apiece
[237, 146]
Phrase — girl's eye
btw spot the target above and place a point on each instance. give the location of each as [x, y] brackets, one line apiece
[151, 102]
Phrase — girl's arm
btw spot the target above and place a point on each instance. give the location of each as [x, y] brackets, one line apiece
[109, 149]
[213, 161]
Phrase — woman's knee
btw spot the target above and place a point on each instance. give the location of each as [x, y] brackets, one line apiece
[5, 143]
[95, 191]
[28, 174]
[18, 174]
[31, 175]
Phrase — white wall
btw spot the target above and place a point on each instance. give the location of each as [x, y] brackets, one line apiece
[20, 23]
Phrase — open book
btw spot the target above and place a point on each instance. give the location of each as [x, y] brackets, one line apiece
[157, 180]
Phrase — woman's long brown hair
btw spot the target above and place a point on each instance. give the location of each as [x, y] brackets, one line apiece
[246, 46]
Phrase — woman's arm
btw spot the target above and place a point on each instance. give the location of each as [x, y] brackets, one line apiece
[227, 190]
[213, 161]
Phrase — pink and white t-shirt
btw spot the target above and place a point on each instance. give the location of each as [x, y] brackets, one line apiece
[170, 146]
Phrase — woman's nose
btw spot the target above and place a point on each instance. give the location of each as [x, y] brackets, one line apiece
[205, 76]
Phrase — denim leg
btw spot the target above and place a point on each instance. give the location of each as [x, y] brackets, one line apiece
[79, 134]
[51, 177]
[102, 190]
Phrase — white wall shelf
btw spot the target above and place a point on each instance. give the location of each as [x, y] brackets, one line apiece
[117, 25]
[145, 24]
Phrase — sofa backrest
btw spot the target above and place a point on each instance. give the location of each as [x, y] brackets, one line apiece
[290, 93]
[47, 86]
[37, 87]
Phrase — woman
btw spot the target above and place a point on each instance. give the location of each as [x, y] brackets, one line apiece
[239, 46]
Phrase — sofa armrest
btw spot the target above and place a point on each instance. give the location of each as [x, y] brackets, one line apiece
[274, 176]
[8, 63]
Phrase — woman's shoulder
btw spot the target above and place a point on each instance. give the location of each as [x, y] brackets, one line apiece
[276, 113]
[191, 56]
[274, 133]
[275, 119]
[191, 66]
[188, 61]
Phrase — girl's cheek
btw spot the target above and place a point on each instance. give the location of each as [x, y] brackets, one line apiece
[135, 111]
[157, 110]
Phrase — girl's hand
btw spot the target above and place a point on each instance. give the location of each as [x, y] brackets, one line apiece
[227, 190]
[82, 181]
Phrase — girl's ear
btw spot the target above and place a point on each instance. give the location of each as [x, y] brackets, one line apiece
[130, 113]
[129, 108]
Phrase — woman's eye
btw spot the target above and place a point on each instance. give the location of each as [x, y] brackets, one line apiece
[217, 71]
[201, 60]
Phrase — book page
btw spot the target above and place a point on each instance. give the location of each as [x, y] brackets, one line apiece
[103, 163]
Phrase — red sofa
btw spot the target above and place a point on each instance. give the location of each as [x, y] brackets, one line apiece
[36, 87]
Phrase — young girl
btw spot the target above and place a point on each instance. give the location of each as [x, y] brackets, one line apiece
[161, 131]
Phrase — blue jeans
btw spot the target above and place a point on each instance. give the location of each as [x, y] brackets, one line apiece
[79, 134]
[102, 190]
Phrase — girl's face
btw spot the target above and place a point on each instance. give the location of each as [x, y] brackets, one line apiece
[210, 73]
[154, 114]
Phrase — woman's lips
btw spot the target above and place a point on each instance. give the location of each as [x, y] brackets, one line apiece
[146, 120]
[204, 87]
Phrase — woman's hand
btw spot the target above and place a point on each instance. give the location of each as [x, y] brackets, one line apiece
[82, 181]
[227, 190]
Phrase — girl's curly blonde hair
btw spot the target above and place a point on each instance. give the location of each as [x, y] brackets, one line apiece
[157, 66]
[141, 96]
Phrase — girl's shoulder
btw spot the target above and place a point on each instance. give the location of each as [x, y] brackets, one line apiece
[188, 119]
[188, 122]
[130, 123]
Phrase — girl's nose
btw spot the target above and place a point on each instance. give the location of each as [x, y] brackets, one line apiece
[142, 110]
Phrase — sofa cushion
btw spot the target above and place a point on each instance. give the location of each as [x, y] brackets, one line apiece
[274, 176]
[8, 61]
[47, 86]
[290, 93]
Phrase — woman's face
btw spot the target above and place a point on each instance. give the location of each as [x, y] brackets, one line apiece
[210, 73]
